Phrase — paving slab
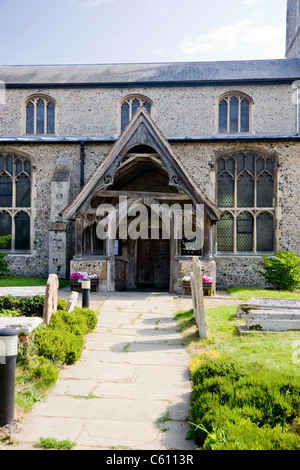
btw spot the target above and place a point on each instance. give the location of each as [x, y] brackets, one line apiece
[133, 372]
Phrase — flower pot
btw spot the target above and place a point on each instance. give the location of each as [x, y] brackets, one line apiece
[208, 288]
[75, 285]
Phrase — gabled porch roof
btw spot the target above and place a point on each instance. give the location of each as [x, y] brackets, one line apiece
[141, 130]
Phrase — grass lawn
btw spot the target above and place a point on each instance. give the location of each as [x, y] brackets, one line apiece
[241, 407]
[23, 281]
[277, 350]
[245, 293]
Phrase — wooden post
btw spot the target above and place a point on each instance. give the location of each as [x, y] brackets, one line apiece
[198, 301]
[79, 237]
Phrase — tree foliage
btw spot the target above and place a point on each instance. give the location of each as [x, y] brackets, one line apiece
[282, 270]
[4, 269]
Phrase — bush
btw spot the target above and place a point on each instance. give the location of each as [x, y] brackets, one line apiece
[234, 407]
[45, 372]
[63, 340]
[26, 306]
[59, 346]
[282, 270]
[4, 269]
[61, 304]
[68, 321]
[90, 317]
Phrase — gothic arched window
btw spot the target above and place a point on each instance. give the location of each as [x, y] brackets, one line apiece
[129, 107]
[246, 193]
[234, 113]
[40, 115]
[15, 200]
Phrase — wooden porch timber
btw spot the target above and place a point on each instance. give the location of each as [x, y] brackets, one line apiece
[143, 194]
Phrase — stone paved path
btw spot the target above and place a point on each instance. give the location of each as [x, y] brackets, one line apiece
[131, 387]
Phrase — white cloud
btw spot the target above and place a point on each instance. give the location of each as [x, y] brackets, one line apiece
[252, 2]
[239, 39]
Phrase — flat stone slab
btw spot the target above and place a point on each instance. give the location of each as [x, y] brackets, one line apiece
[267, 303]
[272, 325]
[23, 291]
[288, 314]
[23, 325]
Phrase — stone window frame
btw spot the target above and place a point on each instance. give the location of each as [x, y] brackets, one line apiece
[129, 99]
[240, 96]
[34, 99]
[235, 211]
[14, 211]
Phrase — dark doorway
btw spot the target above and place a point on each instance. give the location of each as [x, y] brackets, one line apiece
[153, 264]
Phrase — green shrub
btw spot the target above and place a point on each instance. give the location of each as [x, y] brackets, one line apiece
[68, 321]
[90, 317]
[4, 269]
[45, 372]
[10, 313]
[61, 304]
[245, 435]
[238, 407]
[282, 270]
[59, 346]
[26, 306]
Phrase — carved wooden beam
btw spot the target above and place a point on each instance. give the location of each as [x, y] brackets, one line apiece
[143, 194]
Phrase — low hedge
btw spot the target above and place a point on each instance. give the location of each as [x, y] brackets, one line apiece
[26, 306]
[63, 340]
[234, 407]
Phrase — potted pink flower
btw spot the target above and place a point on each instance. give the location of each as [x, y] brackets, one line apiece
[76, 279]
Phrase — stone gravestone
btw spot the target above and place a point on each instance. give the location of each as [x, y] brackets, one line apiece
[72, 301]
[51, 294]
[268, 314]
[197, 293]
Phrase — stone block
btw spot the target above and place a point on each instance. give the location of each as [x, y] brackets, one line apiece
[257, 303]
[72, 301]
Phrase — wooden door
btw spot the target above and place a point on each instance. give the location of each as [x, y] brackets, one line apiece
[153, 264]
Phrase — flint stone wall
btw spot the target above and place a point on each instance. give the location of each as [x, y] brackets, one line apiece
[181, 112]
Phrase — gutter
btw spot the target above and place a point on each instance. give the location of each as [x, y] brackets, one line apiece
[156, 84]
[176, 139]
[82, 163]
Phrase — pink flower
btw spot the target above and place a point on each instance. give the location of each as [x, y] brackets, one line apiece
[207, 279]
[76, 276]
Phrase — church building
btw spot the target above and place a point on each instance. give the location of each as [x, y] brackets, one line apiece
[80, 142]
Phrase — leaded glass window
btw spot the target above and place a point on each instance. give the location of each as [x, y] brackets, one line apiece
[22, 235]
[225, 232]
[246, 193]
[130, 106]
[15, 200]
[5, 226]
[245, 232]
[234, 114]
[265, 236]
[40, 115]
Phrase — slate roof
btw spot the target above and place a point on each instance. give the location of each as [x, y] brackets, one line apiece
[151, 74]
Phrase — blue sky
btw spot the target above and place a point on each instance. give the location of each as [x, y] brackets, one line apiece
[127, 31]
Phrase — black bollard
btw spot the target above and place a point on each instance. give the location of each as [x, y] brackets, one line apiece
[86, 288]
[8, 356]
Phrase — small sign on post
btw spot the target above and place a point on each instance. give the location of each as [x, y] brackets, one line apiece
[198, 300]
